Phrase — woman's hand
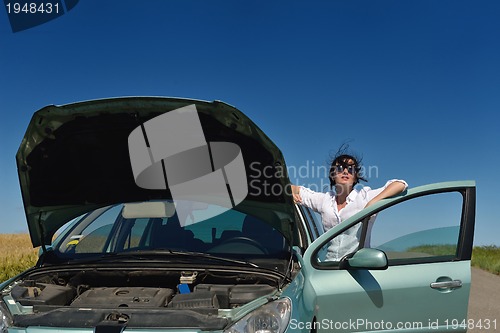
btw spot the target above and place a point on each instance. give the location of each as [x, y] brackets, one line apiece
[296, 194]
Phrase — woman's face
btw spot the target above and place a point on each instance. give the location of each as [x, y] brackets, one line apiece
[345, 173]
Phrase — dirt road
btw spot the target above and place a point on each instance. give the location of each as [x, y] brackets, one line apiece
[484, 301]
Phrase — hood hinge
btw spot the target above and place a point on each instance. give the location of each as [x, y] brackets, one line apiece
[42, 233]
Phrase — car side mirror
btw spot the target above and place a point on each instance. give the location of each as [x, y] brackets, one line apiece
[365, 258]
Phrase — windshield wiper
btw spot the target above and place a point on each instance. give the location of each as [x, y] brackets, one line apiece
[144, 254]
[209, 256]
[104, 257]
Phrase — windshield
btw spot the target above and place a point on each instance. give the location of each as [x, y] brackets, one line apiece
[162, 225]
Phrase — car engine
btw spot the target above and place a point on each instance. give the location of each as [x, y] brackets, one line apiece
[89, 298]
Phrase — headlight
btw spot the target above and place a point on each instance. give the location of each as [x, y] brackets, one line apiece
[272, 317]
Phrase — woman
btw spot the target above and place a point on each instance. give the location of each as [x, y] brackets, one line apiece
[344, 200]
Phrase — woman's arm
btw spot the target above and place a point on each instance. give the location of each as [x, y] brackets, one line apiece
[309, 198]
[392, 189]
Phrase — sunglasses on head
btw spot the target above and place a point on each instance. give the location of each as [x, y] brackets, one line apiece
[350, 168]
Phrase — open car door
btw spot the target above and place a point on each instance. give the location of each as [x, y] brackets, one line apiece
[410, 271]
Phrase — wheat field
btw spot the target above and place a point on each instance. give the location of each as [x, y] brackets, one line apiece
[16, 254]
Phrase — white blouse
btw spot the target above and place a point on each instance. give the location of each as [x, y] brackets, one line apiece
[326, 205]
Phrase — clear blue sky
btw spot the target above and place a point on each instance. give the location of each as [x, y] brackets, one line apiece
[414, 84]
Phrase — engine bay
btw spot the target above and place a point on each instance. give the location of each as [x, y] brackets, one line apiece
[137, 298]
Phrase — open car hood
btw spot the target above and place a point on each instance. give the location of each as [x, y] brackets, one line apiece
[75, 158]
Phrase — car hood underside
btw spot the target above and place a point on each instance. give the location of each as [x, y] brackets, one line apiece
[75, 158]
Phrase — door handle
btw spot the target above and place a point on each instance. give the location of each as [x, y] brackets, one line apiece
[446, 284]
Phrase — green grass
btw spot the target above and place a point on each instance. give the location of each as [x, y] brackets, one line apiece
[483, 257]
[435, 250]
[487, 258]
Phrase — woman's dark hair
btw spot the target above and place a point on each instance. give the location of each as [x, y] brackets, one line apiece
[342, 156]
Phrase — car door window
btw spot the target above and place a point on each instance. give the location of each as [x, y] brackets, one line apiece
[344, 243]
[423, 229]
